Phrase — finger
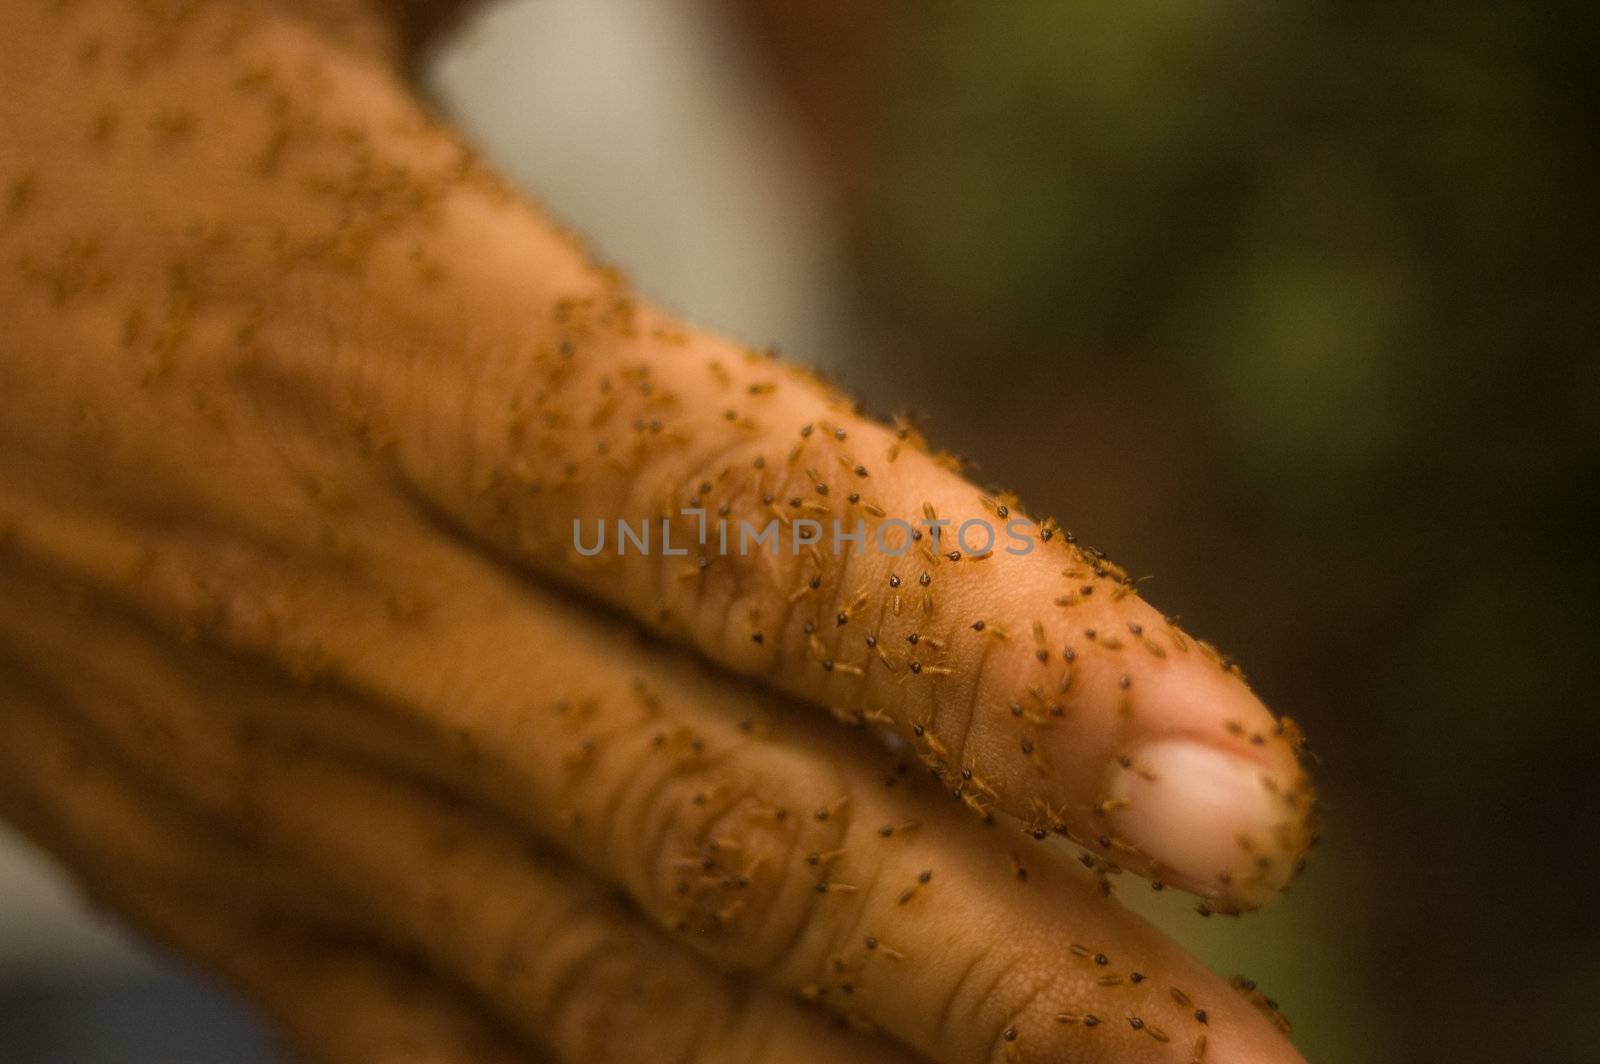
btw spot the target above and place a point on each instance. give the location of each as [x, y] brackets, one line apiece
[968, 999]
[1043, 673]
[556, 959]
[769, 842]
[335, 996]
[336, 999]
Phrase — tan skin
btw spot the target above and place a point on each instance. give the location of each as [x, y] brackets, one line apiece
[302, 672]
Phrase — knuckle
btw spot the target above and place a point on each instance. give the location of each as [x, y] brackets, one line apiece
[956, 712]
[1017, 1027]
[589, 971]
[724, 860]
[720, 860]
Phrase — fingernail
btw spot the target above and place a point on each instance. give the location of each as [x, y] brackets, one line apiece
[1209, 816]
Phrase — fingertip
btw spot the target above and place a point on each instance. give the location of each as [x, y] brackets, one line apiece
[1206, 784]
[1218, 820]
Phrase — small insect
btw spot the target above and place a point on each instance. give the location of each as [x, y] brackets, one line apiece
[848, 716]
[883, 949]
[935, 746]
[974, 802]
[923, 878]
[1262, 1002]
[824, 857]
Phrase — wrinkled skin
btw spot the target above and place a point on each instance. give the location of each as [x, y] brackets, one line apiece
[302, 671]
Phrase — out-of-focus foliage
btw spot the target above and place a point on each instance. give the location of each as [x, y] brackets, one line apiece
[1296, 306]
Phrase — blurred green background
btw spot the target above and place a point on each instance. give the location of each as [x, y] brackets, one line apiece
[1294, 306]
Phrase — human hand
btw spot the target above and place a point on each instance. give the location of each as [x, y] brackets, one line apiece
[302, 407]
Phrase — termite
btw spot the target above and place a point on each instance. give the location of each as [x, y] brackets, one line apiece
[910, 892]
